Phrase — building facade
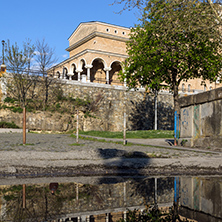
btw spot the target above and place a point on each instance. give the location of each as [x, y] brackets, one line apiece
[96, 53]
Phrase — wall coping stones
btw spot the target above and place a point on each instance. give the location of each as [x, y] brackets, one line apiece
[201, 98]
[107, 86]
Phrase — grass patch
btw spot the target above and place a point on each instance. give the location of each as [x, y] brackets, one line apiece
[139, 134]
[27, 144]
[76, 144]
[101, 140]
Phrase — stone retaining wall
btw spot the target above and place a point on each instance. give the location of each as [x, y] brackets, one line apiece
[201, 119]
[110, 104]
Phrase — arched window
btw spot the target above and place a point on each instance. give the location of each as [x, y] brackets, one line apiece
[188, 87]
[183, 87]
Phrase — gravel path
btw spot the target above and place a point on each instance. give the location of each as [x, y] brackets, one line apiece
[60, 151]
[66, 143]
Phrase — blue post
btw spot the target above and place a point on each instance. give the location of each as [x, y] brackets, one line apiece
[175, 128]
[176, 189]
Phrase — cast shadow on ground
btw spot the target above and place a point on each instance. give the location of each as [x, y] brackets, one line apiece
[130, 166]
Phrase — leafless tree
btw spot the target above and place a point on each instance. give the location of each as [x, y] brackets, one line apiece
[45, 58]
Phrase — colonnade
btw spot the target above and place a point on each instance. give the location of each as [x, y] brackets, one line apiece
[82, 77]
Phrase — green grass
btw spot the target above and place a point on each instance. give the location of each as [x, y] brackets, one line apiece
[140, 134]
[101, 140]
[76, 144]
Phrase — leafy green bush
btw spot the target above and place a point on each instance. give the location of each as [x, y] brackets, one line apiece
[16, 109]
[9, 100]
[58, 106]
[8, 125]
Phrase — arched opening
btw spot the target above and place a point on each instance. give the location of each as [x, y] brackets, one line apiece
[183, 87]
[58, 74]
[84, 70]
[189, 88]
[113, 74]
[65, 73]
[75, 74]
[97, 72]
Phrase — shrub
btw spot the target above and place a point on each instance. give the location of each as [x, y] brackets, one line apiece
[9, 100]
[8, 125]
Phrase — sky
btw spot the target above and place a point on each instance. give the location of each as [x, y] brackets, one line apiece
[55, 20]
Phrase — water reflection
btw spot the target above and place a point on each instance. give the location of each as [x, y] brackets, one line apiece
[109, 201]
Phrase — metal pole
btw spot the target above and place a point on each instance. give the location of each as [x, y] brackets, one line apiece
[176, 197]
[3, 57]
[77, 126]
[175, 128]
[24, 125]
[155, 193]
[124, 128]
[77, 192]
[155, 105]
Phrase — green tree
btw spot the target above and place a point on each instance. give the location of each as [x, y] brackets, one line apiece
[215, 6]
[164, 48]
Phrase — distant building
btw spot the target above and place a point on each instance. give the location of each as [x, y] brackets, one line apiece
[96, 51]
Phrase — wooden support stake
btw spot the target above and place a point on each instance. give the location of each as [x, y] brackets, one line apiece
[23, 197]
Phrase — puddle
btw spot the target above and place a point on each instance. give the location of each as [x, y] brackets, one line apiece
[108, 198]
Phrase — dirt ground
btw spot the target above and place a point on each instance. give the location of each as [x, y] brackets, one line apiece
[58, 155]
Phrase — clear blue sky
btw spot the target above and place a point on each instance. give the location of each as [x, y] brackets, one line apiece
[55, 20]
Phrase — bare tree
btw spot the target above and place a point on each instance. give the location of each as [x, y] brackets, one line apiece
[45, 58]
[19, 82]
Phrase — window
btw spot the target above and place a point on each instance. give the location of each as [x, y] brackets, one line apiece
[124, 33]
[116, 31]
[188, 87]
[183, 87]
[107, 30]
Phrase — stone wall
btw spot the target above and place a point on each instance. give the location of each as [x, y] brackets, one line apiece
[110, 103]
[201, 195]
[139, 106]
[201, 119]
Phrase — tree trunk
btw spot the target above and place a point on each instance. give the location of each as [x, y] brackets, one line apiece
[176, 99]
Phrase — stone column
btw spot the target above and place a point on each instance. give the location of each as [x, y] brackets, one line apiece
[107, 69]
[124, 82]
[70, 75]
[79, 71]
[107, 217]
[88, 67]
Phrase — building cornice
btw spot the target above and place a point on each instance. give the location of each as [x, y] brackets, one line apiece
[96, 34]
[99, 23]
